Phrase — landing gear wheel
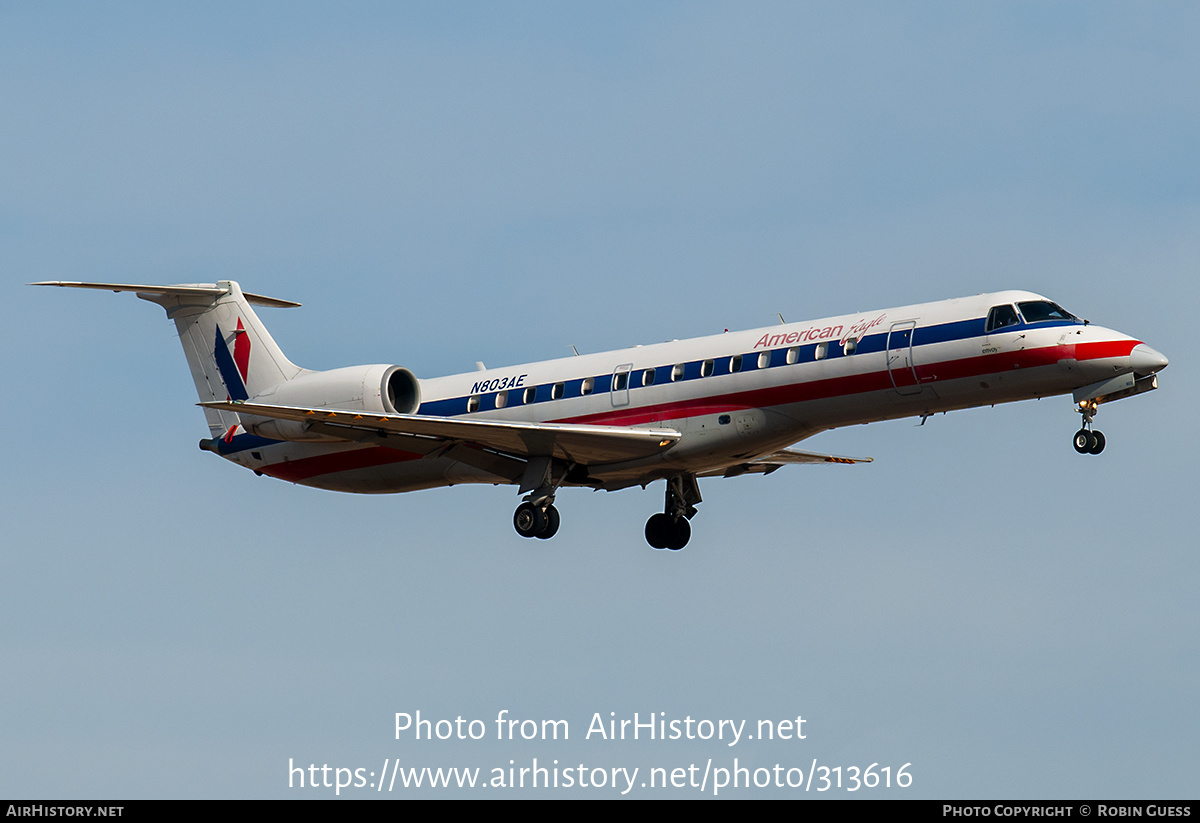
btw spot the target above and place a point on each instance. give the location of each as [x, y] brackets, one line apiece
[658, 530]
[550, 525]
[1097, 443]
[1084, 441]
[529, 520]
[670, 529]
[681, 533]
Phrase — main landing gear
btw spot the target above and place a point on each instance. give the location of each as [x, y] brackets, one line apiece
[669, 529]
[536, 521]
[537, 517]
[1086, 440]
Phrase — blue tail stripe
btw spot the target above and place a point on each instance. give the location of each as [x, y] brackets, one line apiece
[229, 372]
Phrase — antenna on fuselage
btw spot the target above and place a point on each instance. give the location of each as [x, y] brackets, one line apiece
[479, 366]
[782, 322]
[574, 349]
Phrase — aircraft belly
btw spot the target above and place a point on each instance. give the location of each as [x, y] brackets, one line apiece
[428, 473]
[370, 470]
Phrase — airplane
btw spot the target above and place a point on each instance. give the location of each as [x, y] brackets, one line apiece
[723, 405]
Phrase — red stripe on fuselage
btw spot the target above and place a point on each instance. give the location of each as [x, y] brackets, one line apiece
[931, 374]
[308, 467]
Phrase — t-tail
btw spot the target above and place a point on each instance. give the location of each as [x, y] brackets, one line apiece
[229, 352]
[233, 359]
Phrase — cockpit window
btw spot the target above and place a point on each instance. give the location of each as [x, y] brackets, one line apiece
[1001, 316]
[1039, 311]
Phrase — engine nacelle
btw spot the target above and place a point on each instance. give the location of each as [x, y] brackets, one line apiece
[380, 389]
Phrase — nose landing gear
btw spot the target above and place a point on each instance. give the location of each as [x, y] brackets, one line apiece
[1086, 440]
[1089, 442]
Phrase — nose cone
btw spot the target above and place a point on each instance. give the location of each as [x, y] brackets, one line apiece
[1146, 360]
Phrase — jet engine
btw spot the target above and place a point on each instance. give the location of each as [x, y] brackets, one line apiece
[379, 389]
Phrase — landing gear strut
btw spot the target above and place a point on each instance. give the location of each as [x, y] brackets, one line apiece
[1086, 440]
[669, 529]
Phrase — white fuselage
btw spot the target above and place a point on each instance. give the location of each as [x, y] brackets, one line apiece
[738, 395]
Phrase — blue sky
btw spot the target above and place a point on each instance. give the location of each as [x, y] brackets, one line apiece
[440, 184]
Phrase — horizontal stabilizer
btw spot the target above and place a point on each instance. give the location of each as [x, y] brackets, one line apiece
[580, 444]
[193, 290]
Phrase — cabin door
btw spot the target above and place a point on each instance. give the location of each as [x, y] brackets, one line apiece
[620, 384]
[900, 364]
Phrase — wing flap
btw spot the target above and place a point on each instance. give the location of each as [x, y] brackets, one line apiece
[779, 459]
[581, 444]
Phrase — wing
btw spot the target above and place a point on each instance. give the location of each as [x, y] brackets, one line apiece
[771, 462]
[583, 445]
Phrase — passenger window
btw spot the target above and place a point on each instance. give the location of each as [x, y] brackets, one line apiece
[821, 352]
[706, 368]
[1000, 317]
[735, 363]
[556, 392]
[530, 395]
[588, 386]
[850, 346]
[473, 403]
[764, 360]
[501, 399]
[793, 356]
[677, 373]
[621, 381]
[648, 377]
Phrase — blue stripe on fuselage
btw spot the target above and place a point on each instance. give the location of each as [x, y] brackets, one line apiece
[242, 442]
[877, 342]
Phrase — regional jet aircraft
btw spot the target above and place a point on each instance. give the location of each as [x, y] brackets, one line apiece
[723, 405]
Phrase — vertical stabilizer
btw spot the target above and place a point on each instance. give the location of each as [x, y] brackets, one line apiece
[231, 354]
